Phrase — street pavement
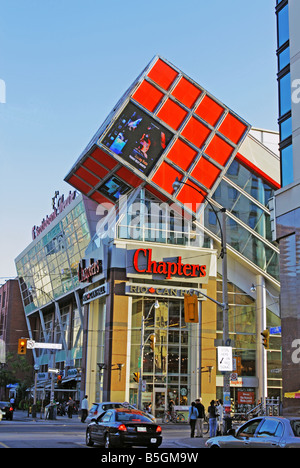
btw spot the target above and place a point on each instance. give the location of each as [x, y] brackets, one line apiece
[181, 442]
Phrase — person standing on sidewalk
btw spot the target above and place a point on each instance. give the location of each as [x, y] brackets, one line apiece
[84, 408]
[200, 418]
[212, 419]
[193, 413]
[70, 406]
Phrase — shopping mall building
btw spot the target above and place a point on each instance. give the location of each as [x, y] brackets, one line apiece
[110, 272]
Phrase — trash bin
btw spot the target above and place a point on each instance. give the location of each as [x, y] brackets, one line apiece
[33, 411]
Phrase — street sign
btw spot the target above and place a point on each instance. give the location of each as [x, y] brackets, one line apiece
[275, 330]
[225, 358]
[31, 344]
[53, 371]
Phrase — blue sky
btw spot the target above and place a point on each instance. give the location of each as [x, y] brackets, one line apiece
[66, 63]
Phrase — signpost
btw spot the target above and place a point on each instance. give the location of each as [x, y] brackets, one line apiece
[31, 344]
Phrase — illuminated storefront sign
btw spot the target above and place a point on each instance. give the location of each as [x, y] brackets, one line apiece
[162, 291]
[96, 293]
[59, 204]
[143, 263]
[86, 272]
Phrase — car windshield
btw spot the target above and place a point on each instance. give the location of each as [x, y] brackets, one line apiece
[129, 416]
[295, 424]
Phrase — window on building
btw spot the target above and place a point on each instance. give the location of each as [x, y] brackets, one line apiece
[283, 25]
[285, 94]
[287, 176]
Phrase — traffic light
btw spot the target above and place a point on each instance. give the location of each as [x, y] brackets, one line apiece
[59, 379]
[191, 308]
[136, 376]
[152, 339]
[266, 339]
[22, 346]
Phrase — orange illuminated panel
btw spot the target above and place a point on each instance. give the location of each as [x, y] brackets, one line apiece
[165, 176]
[95, 168]
[190, 196]
[104, 159]
[79, 184]
[232, 128]
[209, 110]
[196, 132]
[205, 172]
[87, 176]
[182, 154]
[129, 177]
[162, 74]
[148, 95]
[219, 150]
[172, 114]
[186, 92]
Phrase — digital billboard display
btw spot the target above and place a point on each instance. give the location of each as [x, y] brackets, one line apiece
[137, 138]
[113, 188]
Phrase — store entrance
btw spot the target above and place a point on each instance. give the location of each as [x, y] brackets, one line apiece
[160, 401]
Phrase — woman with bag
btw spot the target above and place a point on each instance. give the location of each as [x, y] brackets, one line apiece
[193, 414]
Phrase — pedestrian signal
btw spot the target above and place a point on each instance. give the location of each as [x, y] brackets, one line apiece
[191, 308]
[22, 346]
[266, 339]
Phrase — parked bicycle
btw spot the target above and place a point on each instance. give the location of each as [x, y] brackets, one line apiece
[174, 417]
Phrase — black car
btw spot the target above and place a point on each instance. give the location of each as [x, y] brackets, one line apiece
[7, 410]
[121, 427]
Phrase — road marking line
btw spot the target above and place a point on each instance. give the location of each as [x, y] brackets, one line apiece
[3, 445]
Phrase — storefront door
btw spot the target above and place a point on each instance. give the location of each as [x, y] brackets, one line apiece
[160, 401]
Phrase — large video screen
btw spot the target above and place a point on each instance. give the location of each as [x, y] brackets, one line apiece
[138, 138]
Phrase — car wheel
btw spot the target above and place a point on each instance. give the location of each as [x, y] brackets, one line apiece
[107, 443]
[88, 439]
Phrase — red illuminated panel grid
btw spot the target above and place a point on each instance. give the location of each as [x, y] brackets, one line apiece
[172, 114]
[87, 176]
[195, 132]
[191, 196]
[205, 173]
[148, 95]
[104, 159]
[186, 92]
[128, 177]
[209, 110]
[79, 184]
[95, 168]
[181, 154]
[165, 176]
[98, 197]
[219, 150]
[232, 128]
[162, 74]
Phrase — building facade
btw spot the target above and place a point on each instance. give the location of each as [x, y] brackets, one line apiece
[287, 207]
[148, 229]
[51, 293]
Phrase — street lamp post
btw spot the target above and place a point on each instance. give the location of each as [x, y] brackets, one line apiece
[143, 342]
[224, 305]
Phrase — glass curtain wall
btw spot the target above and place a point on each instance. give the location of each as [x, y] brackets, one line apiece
[168, 365]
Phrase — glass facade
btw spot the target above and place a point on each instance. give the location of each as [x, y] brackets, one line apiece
[168, 365]
[284, 90]
[245, 197]
[49, 269]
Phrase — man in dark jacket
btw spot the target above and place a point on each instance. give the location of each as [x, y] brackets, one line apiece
[200, 418]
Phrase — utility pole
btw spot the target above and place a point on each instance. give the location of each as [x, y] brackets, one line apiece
[226, 341]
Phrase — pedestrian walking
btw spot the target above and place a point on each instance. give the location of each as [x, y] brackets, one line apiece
[212, 419]
[193, 413]
[84, 408]
[70, 406]
[200, 417]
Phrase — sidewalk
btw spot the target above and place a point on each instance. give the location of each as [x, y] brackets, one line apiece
[23, 416]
